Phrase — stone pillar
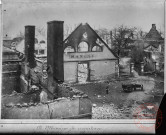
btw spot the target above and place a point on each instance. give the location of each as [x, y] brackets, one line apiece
[55, 55]
[118, 72]
[154, 66]
[30, 45]
[157, 66]
[142, 68]
[131, 68]
[117, 69]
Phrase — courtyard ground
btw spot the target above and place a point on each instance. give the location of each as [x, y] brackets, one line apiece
[118, 104]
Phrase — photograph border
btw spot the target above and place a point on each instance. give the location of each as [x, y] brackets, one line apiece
[71, 126]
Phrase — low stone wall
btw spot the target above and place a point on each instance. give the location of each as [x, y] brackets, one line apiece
[76, 107]
[72, 103]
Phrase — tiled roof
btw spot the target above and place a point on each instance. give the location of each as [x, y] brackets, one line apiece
[153, 34]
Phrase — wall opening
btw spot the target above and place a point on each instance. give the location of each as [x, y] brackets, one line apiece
[96, 49]
[83, 47]
[69, 49]
[83, 72]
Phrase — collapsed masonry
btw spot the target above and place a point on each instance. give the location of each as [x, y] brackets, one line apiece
[42, 86]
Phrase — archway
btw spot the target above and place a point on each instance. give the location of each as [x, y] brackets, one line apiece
[69, 49]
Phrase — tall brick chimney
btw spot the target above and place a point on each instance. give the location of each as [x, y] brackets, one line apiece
[55, 54]
[29, 45]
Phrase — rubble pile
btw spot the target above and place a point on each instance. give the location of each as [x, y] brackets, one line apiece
[25, 99]
[105, 112]
[28, 105]
[68, 91]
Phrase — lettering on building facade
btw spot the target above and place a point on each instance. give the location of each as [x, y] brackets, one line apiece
[81, 56]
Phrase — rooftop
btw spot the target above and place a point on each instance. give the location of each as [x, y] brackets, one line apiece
[153, 34]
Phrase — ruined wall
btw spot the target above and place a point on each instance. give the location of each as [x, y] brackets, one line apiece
[10, 71]
[101, 69]
[70, 71]
[57, 109]
[98, 70]
[72, 103]
[10, 77]
[10, 83]
[101, 64]
[88, 56]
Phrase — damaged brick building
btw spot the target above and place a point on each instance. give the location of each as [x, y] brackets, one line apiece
[41, 95]
[86, 56]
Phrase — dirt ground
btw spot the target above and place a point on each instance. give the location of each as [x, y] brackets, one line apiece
[119, 104]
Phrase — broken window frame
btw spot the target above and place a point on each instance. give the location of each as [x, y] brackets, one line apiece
[69, 46]
[84, 43]
[97, 50]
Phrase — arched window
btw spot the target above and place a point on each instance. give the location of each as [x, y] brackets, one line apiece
[96, 49]
[69, 49]
[83, 47]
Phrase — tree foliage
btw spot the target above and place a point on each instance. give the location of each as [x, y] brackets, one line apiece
[104, 34]
[122, 38]
[137, 53]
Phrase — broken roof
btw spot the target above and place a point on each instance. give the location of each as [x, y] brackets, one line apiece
[76, 36]
[153, 34]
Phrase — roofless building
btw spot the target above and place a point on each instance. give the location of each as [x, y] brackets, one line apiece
[87, 57]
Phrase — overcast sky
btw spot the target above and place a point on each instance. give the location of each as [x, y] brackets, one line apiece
[97, 13]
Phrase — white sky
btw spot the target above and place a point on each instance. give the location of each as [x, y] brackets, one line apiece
[97, 13]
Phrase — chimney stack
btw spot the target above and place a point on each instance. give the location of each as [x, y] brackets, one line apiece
[154, 26]
[55, 68]
[29, 45]
[55, 49]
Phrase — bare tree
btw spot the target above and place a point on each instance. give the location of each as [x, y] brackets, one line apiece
[104, 34]
[139, 34]
[122, 37]
[41, 30]
[137, 53]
